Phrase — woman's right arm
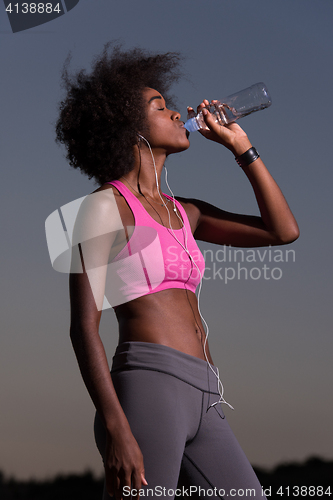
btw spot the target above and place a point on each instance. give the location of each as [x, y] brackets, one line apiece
[123, 458]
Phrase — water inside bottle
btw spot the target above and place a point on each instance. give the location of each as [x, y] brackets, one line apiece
[225, 114]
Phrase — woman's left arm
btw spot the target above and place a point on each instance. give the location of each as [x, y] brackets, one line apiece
[275, 226]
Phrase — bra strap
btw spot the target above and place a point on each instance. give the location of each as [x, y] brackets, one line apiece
[137, 209]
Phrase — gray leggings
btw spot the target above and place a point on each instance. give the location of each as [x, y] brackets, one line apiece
[188, 448]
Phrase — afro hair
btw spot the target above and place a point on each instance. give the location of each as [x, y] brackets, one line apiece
[103, 111]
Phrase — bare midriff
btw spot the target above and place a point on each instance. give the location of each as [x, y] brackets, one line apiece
[169, 317]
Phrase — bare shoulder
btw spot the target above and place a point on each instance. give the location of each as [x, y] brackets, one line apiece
[109, 194]
[108, 187]
[99, 204]
[98, 214]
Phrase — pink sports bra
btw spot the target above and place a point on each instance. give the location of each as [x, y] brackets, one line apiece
[155, 258]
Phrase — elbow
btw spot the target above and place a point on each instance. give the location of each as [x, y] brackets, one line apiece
[76, 332]
[74, 335]
[80, 331]
[289, 235]
[73, 332]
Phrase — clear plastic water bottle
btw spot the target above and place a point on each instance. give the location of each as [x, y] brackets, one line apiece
[233, 107]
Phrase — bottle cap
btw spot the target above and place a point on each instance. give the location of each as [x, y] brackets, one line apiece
[192, 125]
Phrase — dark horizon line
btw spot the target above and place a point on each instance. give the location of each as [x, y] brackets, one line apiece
[312, 460]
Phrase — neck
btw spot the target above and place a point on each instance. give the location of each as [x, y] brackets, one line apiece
[143, 178]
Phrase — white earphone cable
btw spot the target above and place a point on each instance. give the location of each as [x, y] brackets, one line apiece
[206, 328]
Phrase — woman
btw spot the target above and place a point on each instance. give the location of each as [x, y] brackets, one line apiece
[157, 420]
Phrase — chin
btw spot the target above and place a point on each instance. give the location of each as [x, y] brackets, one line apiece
[186, 144]
[181, 147]
[184, 148]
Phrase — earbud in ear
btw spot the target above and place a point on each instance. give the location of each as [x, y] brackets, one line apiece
[141, 138]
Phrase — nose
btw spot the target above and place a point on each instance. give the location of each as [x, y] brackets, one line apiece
[175, 115]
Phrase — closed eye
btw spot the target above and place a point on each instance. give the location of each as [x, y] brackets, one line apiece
[161, 109]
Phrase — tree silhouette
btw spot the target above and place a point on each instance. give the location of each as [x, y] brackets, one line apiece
[315, 473]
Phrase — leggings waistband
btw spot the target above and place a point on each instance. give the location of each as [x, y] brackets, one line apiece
[164, 359]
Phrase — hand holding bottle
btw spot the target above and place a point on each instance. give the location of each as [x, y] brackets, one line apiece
[231, 136]
[233, 107]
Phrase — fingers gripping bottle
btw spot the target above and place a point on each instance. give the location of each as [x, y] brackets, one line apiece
[233, 107]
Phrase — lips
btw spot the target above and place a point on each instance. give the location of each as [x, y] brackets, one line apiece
[187, 132]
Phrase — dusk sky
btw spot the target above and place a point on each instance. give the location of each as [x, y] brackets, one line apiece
[270, 334]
